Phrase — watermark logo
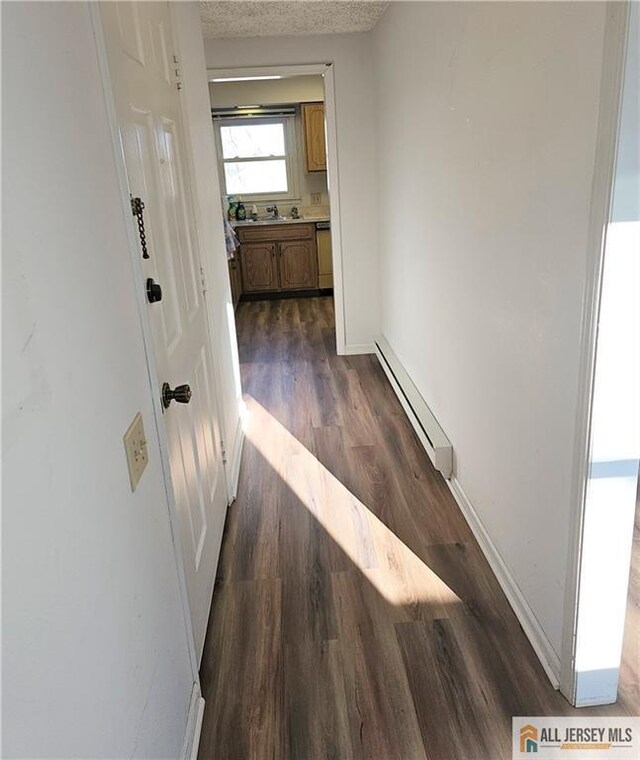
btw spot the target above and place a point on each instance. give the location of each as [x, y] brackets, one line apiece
[528, 739]
[558, 738]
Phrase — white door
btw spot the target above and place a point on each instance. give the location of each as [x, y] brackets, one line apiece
[142, 65]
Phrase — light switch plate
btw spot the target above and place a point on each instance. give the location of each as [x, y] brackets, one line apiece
[135, 446]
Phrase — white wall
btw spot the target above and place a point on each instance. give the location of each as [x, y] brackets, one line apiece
[487, 126]
[351, 55]
[307, 88]
[626, 187]
[204, 168]
[95, 655]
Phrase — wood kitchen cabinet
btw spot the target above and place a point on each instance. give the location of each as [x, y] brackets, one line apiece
[259, 267]
[298, 265]
[314, 137]
[278, 258]
[235, 279]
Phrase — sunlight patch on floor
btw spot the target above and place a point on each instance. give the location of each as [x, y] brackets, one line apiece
[395, 571]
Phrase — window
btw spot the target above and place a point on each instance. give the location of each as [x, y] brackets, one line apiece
[257, 157]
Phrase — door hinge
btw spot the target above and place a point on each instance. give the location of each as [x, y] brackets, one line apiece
[203, 281]
[177, 73]
[224, 452]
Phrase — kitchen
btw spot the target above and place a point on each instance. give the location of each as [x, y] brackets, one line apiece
[271, 149]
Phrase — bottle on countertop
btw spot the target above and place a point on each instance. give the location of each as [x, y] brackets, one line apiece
[241, 212]
[231, 210]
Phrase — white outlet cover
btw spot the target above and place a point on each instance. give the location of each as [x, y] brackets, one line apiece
[135, 447]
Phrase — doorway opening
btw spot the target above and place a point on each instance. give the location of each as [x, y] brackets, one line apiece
[277, 165]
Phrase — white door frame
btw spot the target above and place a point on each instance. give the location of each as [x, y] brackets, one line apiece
[601, 196]
[326, 70]
[141, 304]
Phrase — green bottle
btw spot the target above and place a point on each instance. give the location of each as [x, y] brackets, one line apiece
[241, 212]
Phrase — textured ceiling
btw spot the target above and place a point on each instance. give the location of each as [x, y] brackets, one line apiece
[236, 18]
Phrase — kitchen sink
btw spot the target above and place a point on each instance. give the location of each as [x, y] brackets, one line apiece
[271, 220]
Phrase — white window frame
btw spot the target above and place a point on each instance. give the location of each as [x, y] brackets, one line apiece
[290, 157]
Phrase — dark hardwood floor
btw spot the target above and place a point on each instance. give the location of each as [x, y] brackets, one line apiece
[354, 615]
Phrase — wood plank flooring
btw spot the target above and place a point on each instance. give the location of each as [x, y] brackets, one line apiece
[354, 615]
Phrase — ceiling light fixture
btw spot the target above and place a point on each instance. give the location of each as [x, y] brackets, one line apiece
[243, 79]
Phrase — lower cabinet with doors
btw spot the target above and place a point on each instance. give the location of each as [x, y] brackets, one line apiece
[235, 279]
[278, 258]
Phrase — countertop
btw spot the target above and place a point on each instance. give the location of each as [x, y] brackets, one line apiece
[287, 220]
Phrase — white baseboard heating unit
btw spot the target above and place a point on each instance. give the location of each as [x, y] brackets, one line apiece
[429, 432]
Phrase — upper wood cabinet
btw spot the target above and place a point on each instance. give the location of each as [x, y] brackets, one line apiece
[314, 139]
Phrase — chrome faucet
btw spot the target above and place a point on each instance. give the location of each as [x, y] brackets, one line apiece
[272, 210]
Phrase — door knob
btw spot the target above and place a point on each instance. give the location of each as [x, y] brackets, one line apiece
[154, 291]
[181, 394]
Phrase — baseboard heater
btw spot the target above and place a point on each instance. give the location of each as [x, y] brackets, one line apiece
[429, 432]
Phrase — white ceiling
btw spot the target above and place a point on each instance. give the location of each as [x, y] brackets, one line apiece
[268, 18]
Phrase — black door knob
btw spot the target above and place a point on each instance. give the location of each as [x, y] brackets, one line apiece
[181, 394]
[154, 291]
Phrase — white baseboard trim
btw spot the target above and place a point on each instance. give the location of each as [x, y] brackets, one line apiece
[426, 426]
[359, 348]
[233, 467]
[191, 740]
[539, 641]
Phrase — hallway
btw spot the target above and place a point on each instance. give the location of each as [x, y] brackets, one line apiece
[354, 615]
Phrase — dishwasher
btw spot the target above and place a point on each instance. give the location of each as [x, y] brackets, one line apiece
[325, 260]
